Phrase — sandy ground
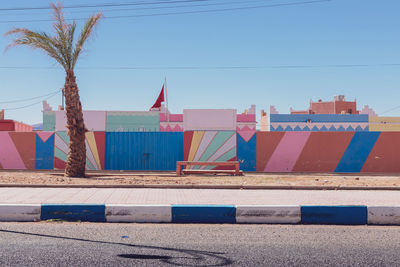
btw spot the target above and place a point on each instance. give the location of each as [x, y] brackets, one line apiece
[143, 178]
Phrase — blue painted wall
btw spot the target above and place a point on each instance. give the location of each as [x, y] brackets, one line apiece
[319, 118]
[357, 152]
[246, 153]
[143, 150]
[44, 153]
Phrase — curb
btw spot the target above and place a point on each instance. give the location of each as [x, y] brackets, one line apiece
[261, 214]
[207, 186]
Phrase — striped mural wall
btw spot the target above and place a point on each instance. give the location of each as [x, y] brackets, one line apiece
[26, 150]
[323, 152]
[95, 147]
[209, 146]
[340, 152]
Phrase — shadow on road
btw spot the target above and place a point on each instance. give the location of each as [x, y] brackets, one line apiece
[199, 257]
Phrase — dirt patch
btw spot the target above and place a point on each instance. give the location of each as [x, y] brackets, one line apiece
[169, 178]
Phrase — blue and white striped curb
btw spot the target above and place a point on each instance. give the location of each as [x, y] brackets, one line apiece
[296, 214]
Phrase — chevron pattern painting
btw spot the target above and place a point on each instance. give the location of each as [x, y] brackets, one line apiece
[26, 150]
[95, 147]
[210, 146]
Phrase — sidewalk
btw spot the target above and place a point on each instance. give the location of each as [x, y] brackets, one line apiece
[200, 205]
[196, 196]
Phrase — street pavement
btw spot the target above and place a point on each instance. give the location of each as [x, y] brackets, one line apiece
[197, 196]
[99, 244]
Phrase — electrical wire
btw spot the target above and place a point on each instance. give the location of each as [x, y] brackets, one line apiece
[152, 8]
[389, 110]
[30, 105]
[28, 99]
[136, 3]
[213, 67]
[184, 12]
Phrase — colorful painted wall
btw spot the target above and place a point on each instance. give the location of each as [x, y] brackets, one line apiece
[95, 147]
[340, 152]
[26, 150]
[384, 124]
[132, 121]
[246, 151]
[171, 122]
[209, 146]
[319, 122]
[49, 121]
[323, 152]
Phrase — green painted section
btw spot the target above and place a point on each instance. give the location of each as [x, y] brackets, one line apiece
[216, 143]
[225, 157]
[64, 136]
[90, 166]
[49, 121]
[228, 155]
[132, 122]
[59, 154]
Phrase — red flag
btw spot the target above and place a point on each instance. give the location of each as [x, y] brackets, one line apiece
[160, 99]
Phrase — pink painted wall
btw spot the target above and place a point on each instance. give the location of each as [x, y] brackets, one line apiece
[209, 119]
[287, 152]
[9, 155]
[172, 117]
[246, 117]
[95, 121]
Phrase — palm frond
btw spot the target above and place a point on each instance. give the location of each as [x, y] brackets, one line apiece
[61, 45]
[62, 29]
[36, 40]
[84, 36]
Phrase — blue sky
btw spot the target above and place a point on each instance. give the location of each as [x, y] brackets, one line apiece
[337, 32]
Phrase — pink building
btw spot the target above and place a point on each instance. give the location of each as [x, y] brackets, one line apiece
[338, 106]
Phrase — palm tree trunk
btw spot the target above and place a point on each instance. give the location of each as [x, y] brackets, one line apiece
[76, 129]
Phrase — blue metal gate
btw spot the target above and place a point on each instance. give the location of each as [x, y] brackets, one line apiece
[155, 151]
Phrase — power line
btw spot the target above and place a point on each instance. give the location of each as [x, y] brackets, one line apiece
[220, 10]
[30, 105]
[137, 3]
[153, 8]
[185, 12]
[28, 99]
[246, 67]
[388, 110]
[213, 67]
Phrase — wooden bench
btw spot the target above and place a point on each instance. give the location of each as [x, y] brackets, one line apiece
[180, 164]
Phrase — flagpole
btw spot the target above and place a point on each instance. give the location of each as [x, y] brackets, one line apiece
[166, 97]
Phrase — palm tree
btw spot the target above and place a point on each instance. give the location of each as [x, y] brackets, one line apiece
[65, 51]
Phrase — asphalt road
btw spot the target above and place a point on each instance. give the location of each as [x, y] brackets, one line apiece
[90, 244]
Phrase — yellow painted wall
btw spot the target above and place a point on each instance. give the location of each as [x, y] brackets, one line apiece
[384, 124]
